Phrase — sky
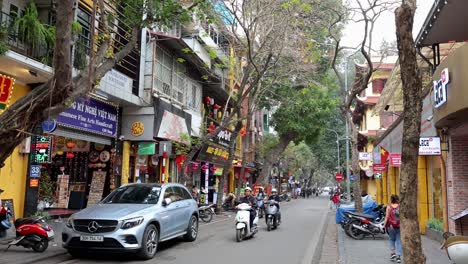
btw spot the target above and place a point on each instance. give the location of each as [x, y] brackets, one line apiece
[384, 27]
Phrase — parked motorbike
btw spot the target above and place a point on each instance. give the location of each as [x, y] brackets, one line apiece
[456, 247]
[206, 212]
[260, 206]
[271, 215]
[362, 225]
[243, 228]
[32, 233]
[285, 197]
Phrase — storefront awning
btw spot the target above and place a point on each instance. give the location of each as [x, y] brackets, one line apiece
[459, 215]
[444, 23]
[75, 134]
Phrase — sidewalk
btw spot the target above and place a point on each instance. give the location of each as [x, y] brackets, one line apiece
[20, 255]
[376, 251]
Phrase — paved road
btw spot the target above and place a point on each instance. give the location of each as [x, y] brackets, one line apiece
[293, 243]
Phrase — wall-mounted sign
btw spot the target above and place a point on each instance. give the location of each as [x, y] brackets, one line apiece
[339, 176]
[223, 138]
[91, 115]
[440, 89]
[365, 155]
[379, 167]
[395, 160]
[138, 128]
[41, 148]
[34, 183]
[146, 148]
[6, 90]
[35, 171]
[429, 146]
[49, 125]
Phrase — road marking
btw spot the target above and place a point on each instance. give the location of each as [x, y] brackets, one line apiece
[310, 251]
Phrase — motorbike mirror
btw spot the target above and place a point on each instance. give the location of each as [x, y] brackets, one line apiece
[166, 201]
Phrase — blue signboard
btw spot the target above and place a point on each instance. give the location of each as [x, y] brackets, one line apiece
[351, 177]
[49, 125]
[91, 115]
[35, 171]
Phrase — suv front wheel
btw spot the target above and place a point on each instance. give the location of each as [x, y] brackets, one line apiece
[149, 243]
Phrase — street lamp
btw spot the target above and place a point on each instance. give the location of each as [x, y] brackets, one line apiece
[337, 147]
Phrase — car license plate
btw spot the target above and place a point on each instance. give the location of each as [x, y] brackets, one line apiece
[92, 238]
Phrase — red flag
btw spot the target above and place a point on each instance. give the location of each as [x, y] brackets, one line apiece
[383, 155]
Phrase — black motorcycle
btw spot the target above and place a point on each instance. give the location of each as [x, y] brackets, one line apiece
[271, 215]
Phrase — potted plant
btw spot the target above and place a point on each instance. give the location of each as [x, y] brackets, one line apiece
[34, 33]
[435, 229]
[46, 193]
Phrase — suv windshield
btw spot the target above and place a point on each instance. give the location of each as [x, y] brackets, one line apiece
[134, 194]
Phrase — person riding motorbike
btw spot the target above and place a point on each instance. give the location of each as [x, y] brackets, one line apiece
[260, 195]
[275, 197]
[250, 200]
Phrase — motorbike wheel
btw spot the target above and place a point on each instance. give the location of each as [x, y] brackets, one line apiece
[206, 216]
[355, 233]
[41, 246]
[269, 224]
[239, 235]
[260, 213]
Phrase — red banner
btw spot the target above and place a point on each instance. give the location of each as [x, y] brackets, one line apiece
[379, 167]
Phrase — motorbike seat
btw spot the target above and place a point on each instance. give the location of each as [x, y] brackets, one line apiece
[22, 221]
[362, 215]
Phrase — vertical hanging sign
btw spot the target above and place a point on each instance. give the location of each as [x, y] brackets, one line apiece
[41, 149]
[6, 90]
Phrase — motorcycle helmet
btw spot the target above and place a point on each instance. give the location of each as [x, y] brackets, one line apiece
[248, 189]
[274, 190]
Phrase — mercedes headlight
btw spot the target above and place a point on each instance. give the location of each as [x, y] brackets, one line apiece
[70, 222]
[132, 222]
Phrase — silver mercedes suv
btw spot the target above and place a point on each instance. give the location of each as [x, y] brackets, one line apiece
[134, 218]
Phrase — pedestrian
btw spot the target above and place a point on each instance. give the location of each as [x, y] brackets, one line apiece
[392, 224]
[195, 193]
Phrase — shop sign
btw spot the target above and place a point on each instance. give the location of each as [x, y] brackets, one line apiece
[146, 148]
[6, 90]
[138, 128]
[214, 154]
[429, 146]
[395, 160]
[365, 155]
[35, 171]
[117, 81]
[223, 138]
[440, 89]
[41, 148]
[91, 115]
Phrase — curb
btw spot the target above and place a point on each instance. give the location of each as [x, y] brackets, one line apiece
[341, 247]
[319, 248]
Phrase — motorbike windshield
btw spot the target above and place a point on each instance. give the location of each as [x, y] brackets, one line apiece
[134, 195]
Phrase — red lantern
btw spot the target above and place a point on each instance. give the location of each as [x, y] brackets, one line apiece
[204, 167]
[213, 168]
[195, 166]
[216, 106]
[71, 144]
[70, 155]
[208, 100]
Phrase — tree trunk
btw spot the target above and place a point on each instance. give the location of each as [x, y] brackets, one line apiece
[228, 164]
[412, 103]
[355, 165]
[244, 153]
[271, 156]
[20, 119]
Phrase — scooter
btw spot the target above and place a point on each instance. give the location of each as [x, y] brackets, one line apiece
[32, 233]
[456, 247]
[362, 225]
[243, 228]
[271, 213]
[206, 212]
[260, 206]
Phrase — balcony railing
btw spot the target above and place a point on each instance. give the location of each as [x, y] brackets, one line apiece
[42, 53]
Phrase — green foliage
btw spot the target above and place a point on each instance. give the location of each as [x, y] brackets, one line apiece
[4, 47]
[185, 145]
[269, 141]
[46, 187]
[212, 52]
[76, 28]
[42, 214]
[435, 224]
[180, 60]
[32, 31]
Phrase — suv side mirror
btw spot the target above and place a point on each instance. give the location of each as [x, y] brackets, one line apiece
[166, 201]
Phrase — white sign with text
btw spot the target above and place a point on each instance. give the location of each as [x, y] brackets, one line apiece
[429, 146]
